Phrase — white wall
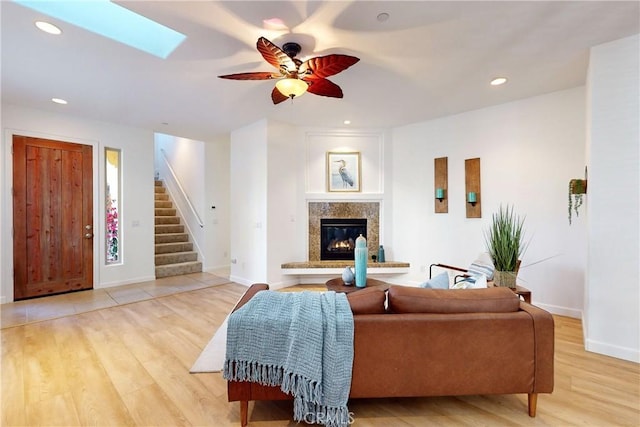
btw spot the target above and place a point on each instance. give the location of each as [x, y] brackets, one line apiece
[529, 151]
[137, 190]
[181, 164]
[217, 221]
[266, 159]
[612, 305]
[248, 203]
[375, 174]
[368, 143]
[284, 152]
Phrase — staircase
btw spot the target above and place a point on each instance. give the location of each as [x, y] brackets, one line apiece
[174, 253]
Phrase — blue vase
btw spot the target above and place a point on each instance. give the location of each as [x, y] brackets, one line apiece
[348, 276]
[381, 254]
[361, 255]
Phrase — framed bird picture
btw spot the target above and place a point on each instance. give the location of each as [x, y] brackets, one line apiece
[343, 171]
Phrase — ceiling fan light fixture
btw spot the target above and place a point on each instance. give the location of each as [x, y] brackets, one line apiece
[291, 88]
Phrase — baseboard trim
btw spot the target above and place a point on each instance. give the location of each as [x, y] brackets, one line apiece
[558, 310]
[124, 282]
[241, 280]
[625, 353]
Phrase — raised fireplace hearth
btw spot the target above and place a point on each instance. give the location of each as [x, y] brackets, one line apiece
[338, 237]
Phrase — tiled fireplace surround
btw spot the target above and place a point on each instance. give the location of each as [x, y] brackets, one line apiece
[320, 210]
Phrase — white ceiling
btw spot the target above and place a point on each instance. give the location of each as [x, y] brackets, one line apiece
[429, 59]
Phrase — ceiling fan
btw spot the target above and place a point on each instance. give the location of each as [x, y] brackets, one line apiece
[297, 77]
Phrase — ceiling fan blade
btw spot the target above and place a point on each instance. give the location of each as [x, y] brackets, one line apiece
[274, 55]
[325, 66]
[277, 97]
[324, 87]
[261, 75]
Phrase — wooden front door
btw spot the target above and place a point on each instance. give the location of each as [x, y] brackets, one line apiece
[52, 217]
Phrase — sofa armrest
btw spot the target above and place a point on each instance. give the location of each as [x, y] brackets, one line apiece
[249, 293]
[543, 329]
[242, 390]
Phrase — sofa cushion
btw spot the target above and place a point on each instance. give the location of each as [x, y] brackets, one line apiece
[367, 301]
[404, 299]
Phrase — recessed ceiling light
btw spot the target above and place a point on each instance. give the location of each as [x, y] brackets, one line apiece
[59, 101]
[347, 122]
[113, 21]
[48, 27]
[382, 17]
[498, 81]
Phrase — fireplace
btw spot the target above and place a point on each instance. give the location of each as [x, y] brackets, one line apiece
[338, 237]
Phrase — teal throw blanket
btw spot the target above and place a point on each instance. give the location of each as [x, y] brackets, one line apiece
[300, 341]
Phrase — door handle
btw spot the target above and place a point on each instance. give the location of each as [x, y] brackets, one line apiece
[88, 236]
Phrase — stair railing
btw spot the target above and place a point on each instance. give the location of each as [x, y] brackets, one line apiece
[182, 192]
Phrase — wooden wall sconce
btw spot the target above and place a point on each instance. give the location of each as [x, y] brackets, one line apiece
[440, 184]
[473, 200]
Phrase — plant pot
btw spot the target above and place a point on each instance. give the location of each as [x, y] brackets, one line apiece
[505, 278]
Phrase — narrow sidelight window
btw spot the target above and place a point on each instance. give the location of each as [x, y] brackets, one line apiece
[112, 206]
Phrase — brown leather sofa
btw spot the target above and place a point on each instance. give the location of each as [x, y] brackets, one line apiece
[434, 342]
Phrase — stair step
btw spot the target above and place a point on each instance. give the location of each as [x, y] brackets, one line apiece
[169, 228]
[174, 255]
[178, 269]
[167, 220]
[159, 204]
[171, 238]
[175, 258]
[166, 248]
[165, 212]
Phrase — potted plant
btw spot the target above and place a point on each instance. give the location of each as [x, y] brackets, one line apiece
[504, 240]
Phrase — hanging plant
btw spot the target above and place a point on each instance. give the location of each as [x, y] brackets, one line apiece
[577, 190]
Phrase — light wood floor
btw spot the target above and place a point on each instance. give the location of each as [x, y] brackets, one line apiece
[128, 365]
[51, 307]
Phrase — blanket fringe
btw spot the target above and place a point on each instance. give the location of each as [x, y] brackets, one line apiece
[243, 370]
[271, 375]
[308, 394]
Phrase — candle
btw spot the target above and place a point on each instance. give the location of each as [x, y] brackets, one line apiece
[439, 193]
[471, 198]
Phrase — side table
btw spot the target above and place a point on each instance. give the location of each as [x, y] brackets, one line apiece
[338, 285]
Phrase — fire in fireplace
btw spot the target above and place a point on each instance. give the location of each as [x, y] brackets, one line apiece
[338, 237]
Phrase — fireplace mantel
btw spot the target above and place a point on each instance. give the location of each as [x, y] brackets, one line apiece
[320, 271]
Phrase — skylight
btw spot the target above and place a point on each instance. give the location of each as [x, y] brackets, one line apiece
[113, 21]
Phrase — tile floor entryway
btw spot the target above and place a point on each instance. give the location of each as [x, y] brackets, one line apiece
[55, 306]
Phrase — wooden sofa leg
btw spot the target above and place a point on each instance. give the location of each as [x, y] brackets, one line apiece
[244, 412]
[533, 403]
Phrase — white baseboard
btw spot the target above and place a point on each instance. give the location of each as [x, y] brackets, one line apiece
[216, 268]
[241, 280]
[3, 300]
[625, 353]
[124, 282]
[560, 311]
